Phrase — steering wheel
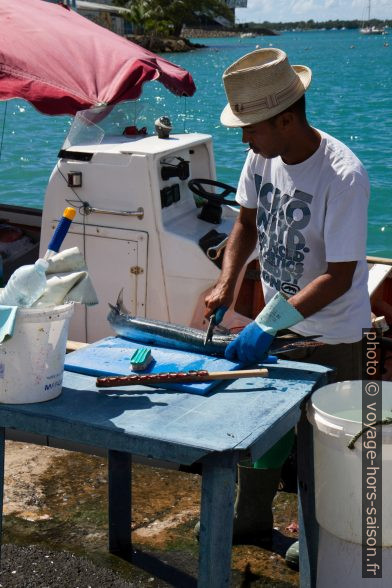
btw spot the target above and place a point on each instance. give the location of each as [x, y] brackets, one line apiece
[197, 187]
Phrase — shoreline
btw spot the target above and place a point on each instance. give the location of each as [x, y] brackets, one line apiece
[214, 34]
[164, 44]
[183, 44]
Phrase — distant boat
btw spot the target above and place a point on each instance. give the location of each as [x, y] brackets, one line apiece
[248, 35]
[371, 30]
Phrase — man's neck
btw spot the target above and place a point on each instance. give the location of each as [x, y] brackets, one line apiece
[302, 146]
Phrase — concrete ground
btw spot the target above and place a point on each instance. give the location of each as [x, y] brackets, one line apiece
[55, 527]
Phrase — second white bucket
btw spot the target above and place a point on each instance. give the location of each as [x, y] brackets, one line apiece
[335, 412]
[32, 360]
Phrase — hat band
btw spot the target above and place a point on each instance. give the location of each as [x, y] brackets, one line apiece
[271, 100]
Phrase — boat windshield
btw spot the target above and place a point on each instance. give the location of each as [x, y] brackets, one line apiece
[133, 117]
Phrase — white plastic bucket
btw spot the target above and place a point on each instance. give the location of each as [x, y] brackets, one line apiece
[32, 360]
[336, 414]
[339, 564]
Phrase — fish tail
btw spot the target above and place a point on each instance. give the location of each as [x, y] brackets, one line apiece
[120, 307]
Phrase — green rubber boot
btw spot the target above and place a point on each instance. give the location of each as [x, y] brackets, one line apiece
[253, 518]
[292, 556]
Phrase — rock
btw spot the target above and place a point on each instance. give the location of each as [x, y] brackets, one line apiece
[164, 45]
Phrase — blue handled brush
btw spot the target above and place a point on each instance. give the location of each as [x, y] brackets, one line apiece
[60, 232]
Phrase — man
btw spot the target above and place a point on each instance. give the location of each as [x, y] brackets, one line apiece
[303, 197]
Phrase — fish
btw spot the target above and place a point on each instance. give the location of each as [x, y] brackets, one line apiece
[162, 334]
[150, 332]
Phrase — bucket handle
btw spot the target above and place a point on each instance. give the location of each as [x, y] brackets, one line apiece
[386, 421]
[324, 425]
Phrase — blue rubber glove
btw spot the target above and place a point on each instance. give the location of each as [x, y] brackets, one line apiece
[252, 344]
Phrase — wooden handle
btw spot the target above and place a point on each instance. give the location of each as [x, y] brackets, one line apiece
[167, 378]
[233, 375]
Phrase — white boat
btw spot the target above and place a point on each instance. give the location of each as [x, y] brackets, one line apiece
[371, 29]
[247, 35]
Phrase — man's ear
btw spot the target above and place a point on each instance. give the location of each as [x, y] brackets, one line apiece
[285, 120]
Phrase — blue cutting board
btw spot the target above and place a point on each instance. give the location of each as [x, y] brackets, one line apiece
[111, 357]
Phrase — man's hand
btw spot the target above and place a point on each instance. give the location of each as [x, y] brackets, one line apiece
[250, 346]
[218, 297]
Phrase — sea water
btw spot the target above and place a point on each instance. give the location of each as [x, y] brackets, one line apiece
[350, 98]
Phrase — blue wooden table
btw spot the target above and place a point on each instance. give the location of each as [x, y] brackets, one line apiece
[238, 418]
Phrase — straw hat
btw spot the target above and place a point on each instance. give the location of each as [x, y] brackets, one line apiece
[260, 85]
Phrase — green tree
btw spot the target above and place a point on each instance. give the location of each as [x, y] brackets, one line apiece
[140, 14]
[191, 12]
[163, 16]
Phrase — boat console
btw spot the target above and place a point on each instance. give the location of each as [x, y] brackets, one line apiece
[140, 224]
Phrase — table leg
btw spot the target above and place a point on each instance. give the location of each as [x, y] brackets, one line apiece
[308, 526]
[216, 520]
[2, 450]
[120, 502]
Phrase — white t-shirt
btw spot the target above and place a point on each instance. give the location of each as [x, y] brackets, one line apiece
[310, 214]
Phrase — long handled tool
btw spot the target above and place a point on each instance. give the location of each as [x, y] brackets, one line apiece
[175, 377]
[60, 232]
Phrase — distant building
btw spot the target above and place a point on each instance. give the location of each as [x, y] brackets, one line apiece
[219, 21]
[102, 13]
[70, 3]
[237, 3]
[233, 4]
[105, 14]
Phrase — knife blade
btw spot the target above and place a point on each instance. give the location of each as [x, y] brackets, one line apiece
[215, 319]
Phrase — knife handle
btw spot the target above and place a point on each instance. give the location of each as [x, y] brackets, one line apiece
[219, 313]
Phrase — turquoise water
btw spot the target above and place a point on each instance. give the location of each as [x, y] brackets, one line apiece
[350, 97]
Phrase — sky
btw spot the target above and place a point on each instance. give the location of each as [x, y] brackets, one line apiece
[318, 10]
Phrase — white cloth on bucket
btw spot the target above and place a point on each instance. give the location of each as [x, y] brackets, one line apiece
[67, 280]
[7, 321]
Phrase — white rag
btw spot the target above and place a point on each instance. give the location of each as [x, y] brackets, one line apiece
[67, 280]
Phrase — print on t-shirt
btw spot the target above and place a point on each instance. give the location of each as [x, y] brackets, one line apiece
[281, 219]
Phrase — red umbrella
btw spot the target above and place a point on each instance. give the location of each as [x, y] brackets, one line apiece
[61, 62]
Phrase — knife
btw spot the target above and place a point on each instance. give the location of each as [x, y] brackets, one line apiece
[215, 319]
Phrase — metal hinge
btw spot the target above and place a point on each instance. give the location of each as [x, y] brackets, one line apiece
[136, 269]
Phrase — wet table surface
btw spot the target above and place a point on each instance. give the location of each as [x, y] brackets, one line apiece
[242, 417]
